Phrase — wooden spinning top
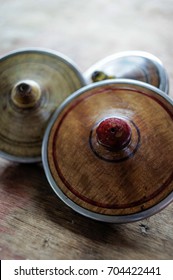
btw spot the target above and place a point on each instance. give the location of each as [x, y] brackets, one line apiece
[108, 151]
[33, 83]
[136, 65]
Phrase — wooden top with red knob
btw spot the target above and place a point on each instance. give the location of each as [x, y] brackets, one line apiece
[108, 151]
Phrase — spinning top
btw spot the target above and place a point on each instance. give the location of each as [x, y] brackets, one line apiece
[108, 151]
[33, 83]
[134, 65]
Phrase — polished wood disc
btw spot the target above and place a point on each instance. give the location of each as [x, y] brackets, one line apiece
[98, 177]
[32, 85]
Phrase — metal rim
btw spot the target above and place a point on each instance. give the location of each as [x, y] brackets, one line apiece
[48, 52]
[99, 217]
[56, 55]
[164, 83]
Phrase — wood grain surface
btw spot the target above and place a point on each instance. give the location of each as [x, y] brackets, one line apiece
[34, 223]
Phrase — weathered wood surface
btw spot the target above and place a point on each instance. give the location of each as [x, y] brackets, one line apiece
[34, 223]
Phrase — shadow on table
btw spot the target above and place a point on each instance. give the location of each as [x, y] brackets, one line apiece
[30, 179]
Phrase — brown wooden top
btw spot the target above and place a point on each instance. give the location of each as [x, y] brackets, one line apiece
[32, 84]
[128, 65]
[102, 180]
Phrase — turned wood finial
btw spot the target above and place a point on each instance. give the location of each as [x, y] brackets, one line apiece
[113, 133]
[25, 94]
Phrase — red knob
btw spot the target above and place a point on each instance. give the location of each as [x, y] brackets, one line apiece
[113, 133]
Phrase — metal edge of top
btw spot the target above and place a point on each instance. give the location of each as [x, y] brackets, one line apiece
[164, 84]
[88, 213]
[52, 53]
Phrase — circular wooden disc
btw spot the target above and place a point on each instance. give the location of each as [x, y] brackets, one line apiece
[134, 65]
[21, 130]
[112, 186]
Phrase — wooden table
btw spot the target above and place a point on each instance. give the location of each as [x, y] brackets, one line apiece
[34, 223]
